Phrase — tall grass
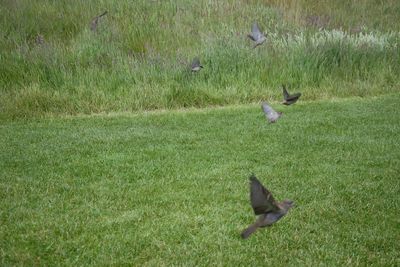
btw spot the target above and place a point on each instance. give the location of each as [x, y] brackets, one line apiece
[351, 15]
[138, 57]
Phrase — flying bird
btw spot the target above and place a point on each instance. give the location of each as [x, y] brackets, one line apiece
[264, 204]
[196, 66]
[289, 99]
[270, 113]
[95, 21]
[256, 35]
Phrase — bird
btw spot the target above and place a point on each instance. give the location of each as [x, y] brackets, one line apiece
[264, 204]
[289, 99]
[95, 21]
[39, 40]
[196, 66]
[256, 35]
[270, 114]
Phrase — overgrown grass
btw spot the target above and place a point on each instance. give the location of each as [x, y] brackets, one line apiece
[138, 58]
[171, 188]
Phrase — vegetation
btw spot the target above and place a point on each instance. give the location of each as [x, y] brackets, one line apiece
[168, 185]
[171, 188]
[138, 57]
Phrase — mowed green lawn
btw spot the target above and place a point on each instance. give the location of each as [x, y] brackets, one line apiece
[171, 188]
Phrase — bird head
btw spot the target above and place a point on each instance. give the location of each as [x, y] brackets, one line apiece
[287, 204]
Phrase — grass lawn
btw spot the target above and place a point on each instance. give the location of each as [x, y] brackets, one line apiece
[171, 188]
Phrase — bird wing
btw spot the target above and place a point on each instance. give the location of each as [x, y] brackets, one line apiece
[103, 14]
[256, 33]
[261, 199]
[285, 92]
[195, 63]
[269, 111]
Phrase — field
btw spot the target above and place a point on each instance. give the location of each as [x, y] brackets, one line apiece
[171, 188]
[114, 153]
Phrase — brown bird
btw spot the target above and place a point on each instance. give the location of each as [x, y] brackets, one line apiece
[95, 21]
[266, 206]
[39, 40]
[289, 99]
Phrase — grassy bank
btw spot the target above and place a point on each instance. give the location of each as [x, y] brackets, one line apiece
[138, 57]
[171, 188]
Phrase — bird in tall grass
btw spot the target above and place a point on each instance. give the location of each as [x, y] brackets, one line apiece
[39, 40]
[270, 114]
[95, 21]
[289, 99]
[264, 204]
[196, 66]
[256, 35]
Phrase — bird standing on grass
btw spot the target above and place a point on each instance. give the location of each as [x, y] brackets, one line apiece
[196, 66]
[264, 204]
[95, 21]
[289, 99]
[256, 35]
[39, 40]
[270, 114]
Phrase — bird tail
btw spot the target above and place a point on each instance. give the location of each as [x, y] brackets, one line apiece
[248, 231]
[285, 92]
